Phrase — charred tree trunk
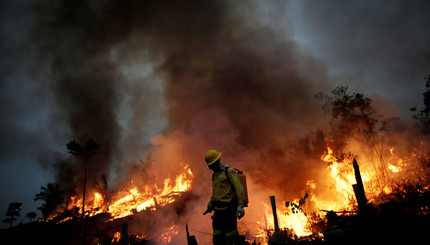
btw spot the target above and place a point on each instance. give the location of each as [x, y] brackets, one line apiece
[275, 215]
[83, 203]
[360, 195]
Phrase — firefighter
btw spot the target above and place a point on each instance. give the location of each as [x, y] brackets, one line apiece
[227, 200]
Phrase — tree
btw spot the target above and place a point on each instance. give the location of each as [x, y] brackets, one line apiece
[423, 116]
[85, 152]
[90, 148]
[13, 211]
[31, 216]
[52, 197]
[351, 114]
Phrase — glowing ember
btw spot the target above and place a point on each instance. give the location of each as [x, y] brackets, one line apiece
[394, 169]
[167, 235]
[116, 238]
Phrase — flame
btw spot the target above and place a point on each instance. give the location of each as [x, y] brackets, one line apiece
[336, 194]
[394, 169]
[116, 237]
[297, 222]
[330, 189]
[339, 196]
[167, 235]
[136, 198]
[150, 199]
[341, 179]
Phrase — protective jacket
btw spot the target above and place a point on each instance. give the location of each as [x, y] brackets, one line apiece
[226, 188]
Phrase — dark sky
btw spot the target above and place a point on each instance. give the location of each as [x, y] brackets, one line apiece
[379, 48]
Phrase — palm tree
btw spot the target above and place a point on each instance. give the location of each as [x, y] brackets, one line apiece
[52, 197]
[85, 152]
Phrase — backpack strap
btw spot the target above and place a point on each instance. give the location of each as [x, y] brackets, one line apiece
[226, 173]
[234, 169]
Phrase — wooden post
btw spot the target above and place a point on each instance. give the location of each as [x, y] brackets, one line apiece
[191, 240]
[360, 195]
[275, 215]
[124, 234]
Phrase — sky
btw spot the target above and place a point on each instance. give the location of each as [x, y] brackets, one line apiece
[378, 48]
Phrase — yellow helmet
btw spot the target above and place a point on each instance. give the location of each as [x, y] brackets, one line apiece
[212, 156]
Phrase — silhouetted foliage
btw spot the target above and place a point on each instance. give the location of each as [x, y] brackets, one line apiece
[351, 114]
[13, 211]
[31, 216]
[90, 148]
[422, 117]
[52, 197]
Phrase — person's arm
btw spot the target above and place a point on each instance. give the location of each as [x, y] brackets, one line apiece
[237, 185]
[240, 193]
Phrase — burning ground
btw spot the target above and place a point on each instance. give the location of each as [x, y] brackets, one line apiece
[158, 83]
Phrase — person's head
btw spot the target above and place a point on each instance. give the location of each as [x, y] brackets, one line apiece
[213, 160]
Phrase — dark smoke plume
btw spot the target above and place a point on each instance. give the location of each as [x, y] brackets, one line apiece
[209, 58]
[226, 83]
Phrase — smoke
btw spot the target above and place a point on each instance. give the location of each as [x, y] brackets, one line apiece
[379, 47]
[160, 82]
[196, 74]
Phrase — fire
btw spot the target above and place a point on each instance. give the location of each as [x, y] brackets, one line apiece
[394, 169]
[336, 194]
[334, 191]
[116, 237]
[297, 222]
[330, 189]
[167, 235]
[138, 198]
[150, 198]
[341, 178]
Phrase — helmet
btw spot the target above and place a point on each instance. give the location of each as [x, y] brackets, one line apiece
[212, 156]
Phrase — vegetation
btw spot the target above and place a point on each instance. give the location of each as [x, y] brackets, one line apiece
[402, 212]
[52, 197]
[422, 117]
[31, 216]
[12, 212]
[351, 114]
[84, 151]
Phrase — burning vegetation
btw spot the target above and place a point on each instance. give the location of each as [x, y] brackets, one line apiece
[146, 88]
[330, 206]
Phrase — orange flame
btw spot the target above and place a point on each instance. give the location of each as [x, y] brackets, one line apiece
[136, 199]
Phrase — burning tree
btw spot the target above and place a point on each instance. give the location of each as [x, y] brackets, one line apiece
[85, 152]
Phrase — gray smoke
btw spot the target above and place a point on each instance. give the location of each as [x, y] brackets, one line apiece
[377, 47]
[206, 55]
[208, 74]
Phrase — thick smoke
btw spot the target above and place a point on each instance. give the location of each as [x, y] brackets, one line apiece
[220, 82]
[158, 83]
[208, 59]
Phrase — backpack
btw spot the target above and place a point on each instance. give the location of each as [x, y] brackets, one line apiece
[242, 179]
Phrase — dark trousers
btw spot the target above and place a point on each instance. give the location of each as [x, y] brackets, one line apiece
[224, 224]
